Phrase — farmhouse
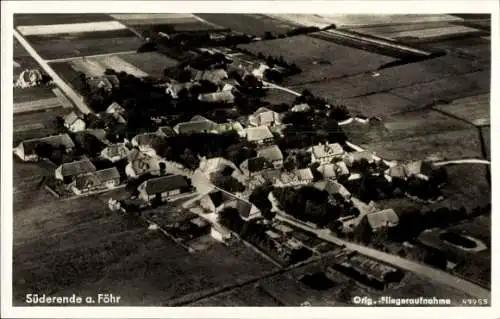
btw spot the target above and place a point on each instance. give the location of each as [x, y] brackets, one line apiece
[216, 76]
[115, 152]
[115, 108]
[99, 180]
[259, 135]
[68, 171]
[298, 177]
[375, 222]
[272, 154]
[231, 126]
[333, 170]
[140, 163]
[74, 123]
[146, 142]
[217, 97]
[163, 188]
[196, 125]
[264, 117]
[350, 158]
[303, 107]
[332, 187]
[215, 201]
[325, 153]
[26, 150]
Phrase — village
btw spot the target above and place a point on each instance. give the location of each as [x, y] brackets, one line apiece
[198, 153]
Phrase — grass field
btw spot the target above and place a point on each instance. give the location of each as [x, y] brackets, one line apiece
[404, 125]
[319, 59]
[378, 104]
[446, 145]
[89, 43]
[474, 109]
[278, 97]
[35, 124]
[395, 77]
[152, 63]
[46, 19]
[32, 94]
[255, 24]
[447, 89]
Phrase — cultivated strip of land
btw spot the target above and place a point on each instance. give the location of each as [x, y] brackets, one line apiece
[71, 28]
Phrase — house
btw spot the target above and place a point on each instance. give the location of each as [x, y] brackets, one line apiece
[115, 108]
[166, 131]
[220, 233]
[216, 76]
[333, 171]
[352, 157]
[303, 107]
[246, 209]
[259, 135]
[146, 142]
[217, 97]
[420, 169]
[230, 126]
[333, 187]
[375, 222]
[115, 152]
[196, 126]
[140, 163]
[272, 154]
[68, 171]
[99, 180]
[215, 201]
[26, 150]
[163, 188]
[259, 71]
[264, 117]
[398, 171]
[106, 83]
[74, 123]
[298, 177]
[173, 89]
[325, 153]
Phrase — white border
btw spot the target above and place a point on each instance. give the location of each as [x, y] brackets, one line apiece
[421, 7]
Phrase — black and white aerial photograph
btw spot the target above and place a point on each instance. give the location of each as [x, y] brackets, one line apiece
[250, 160]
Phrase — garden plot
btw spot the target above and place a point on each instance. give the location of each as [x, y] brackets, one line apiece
[319, 59]
[474, 109]
[395, 77]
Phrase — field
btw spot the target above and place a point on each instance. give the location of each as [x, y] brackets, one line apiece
[70, 28]
[60, 46]
[278, 97]
[478, 47]
[404, 125]
[36, 124]
[22, 58]
[395, 77]
[45, 19]
[152, 63]
[446, 145]
[319, 59]
[256, 24]
[32, 94]
[447, 89]
[474, 109]
[37, 105]
[377, 104]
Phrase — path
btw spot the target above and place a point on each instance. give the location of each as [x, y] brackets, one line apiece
[68, 91]
[435, 275]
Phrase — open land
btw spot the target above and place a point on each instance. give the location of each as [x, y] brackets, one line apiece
[253, 24]
[46, 19]
[474, 109]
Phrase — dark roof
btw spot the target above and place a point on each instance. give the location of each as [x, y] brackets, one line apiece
[217, 198]
[97, 178]
[165, 183]
[55, 141]
[243, 207]
[77, 168]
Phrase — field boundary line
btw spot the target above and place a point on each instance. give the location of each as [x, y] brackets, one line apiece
[91, 56]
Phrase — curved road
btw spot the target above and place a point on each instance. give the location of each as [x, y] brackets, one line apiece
[433, 274]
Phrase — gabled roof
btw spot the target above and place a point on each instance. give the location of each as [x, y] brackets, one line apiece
[333, 170]
[332, 187]
[76, 168]
[146, 139]
[118, 149]
[304, 174]
[164, 184]
[100, 134]
[166, 131]
[356, 156]
[398, 171]
[258, 133]
[261, 110]
[71, 118]
[304, 107]
[115, 108]
[195, 127]
[198, 118]
[383, 218]
[55, 141]
[270, 153]
[97, 178]
[322, 150]
[222, 96]
[214, 76]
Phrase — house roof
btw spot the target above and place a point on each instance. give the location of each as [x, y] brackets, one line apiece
[115, 108]
[141, 162]
[113, 79]
[214, 76]
[198, 118]
[146, 139]
[304, 107]
[194, 127]
[232, 126]
[77, 168]
[164, 184]
[398, 171]
[414, 167]
[258, 133]
[356, 156]
[166, 130]
[118, 149]
[328, 170]
[386, 217]
[322, 150]
[222, 96]
[271, 153]
[100, 134]
[304, 174]
[54, 141]
[97, 178]
[332, 187]
[71, 118]
[261, 110]
[244, 207]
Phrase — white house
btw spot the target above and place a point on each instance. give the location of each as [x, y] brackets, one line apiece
[325, 153]
[163, 188]
[74, 123]
[264, 117]
[259, 135]
[298, 177]
[115, 152]
[99, 180]
[272, 154]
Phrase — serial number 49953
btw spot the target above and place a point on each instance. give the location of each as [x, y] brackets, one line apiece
[475, 302]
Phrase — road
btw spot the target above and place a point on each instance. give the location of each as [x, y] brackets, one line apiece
[68, 91]
[435, 275]
[464, 161]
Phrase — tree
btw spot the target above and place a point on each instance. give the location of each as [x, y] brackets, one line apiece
[268, 214]
[43, 150]
[89, 144]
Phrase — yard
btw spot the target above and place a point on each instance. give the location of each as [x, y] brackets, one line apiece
[473, 109]
[59, 46]
[319, 59]
[404, 125]
[447, 145]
